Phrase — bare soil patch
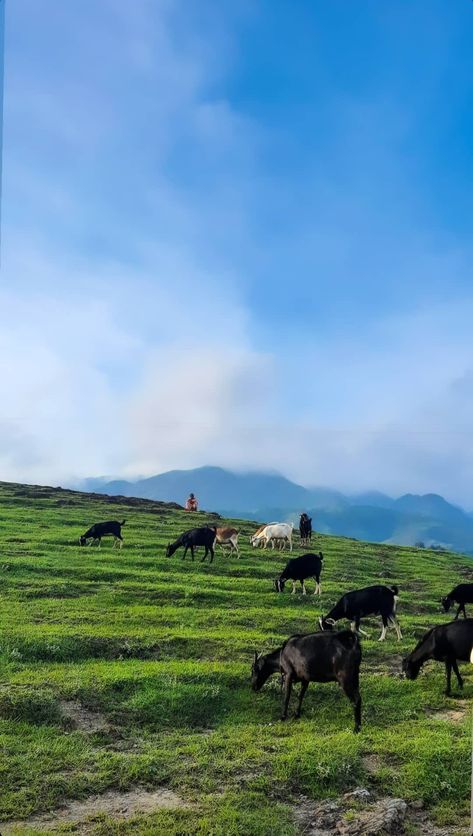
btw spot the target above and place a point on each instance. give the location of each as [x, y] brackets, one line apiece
[454, 715]
[359, 813]
[372, 763]
[82, 719]
[392, 666]
[114, 804]
[355, 814]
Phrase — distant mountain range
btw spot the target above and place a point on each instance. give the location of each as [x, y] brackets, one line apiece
[371, 516]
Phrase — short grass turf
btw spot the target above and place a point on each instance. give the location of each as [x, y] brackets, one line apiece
[162, 649]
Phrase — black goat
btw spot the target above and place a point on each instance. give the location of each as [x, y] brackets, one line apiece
[461, 595]
[445, 643]
[368, 601]
[299, 569]
[204, 536]
[305, 529]
[316, 657]
[99, 530]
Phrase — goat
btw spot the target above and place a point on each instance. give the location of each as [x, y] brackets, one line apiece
[461, 595]
[204, 536]
[228, 537]
[299, 569]
[305, 529]
[273, 532]
[444, 643]
[316, 657]
[99, 530]
[372, 600]
[257, 534]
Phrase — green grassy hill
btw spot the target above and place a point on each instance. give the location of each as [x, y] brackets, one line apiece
[124, 682]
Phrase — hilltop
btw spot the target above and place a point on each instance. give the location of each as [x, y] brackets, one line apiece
[373, 516]
[124, 689]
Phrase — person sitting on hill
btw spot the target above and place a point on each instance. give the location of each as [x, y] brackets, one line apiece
[192, 504]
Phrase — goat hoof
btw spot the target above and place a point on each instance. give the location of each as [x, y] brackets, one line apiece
[283, 717]
[357, 729]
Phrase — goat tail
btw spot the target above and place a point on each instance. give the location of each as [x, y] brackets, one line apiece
[321, 555]
[394, 589]
[123, 523]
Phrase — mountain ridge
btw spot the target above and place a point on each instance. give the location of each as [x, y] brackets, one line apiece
[371, 515]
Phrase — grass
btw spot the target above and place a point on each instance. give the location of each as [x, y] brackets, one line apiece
[162, 650]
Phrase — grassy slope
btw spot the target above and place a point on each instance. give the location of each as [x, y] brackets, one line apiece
[162, 648]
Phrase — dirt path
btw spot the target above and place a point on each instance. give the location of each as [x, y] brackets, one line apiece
[114, 804]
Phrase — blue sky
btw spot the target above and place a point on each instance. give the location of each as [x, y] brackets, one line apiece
[239, 233]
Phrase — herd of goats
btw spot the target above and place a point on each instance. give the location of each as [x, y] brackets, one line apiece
[327, 655]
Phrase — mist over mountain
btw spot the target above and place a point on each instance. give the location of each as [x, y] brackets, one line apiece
[371, 516]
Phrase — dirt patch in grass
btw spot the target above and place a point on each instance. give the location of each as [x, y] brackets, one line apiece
[454, 715]
[372, 764]
[79, 718]
[355, 814]
[114, 804]
[392, 665]
[359, 813]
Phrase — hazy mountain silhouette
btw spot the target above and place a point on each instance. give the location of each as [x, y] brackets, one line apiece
[371, 515]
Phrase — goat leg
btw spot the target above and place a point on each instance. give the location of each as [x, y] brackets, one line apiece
[448, 671]
[287, 695]
[304, 686]
[457, 673]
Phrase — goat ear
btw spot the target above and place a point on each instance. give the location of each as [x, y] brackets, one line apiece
[330, 621]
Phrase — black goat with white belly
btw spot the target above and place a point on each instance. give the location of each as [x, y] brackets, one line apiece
[372, 600]
[316, 657]
[449, 643]
[96, 532]
[461, 595]
[299, 569]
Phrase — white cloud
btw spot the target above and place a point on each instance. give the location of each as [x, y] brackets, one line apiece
[194, 402]
[126, 375]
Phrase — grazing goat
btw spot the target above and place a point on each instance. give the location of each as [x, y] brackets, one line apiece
[461, 595]
[372, 600]
[257, 534]
[299, 569]
[228, 537]
[273, 532]
[316, 657]
[99, 530]
[204, 536]
[445, 643]
[305, 529]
